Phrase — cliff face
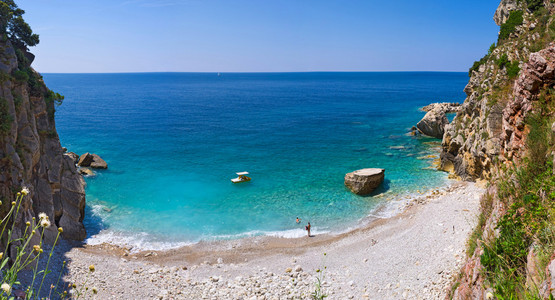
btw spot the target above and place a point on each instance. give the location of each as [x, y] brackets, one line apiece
[30, 152]
[489, 127]
[537, 74]
[489, 138]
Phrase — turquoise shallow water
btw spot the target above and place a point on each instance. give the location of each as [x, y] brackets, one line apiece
[173, 141]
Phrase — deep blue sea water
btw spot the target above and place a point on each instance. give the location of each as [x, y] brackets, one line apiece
[173, 141]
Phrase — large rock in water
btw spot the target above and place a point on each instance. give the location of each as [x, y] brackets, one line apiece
[85, 160]
[365, 181]
[98, 163]
[433, 124]
[92, 160]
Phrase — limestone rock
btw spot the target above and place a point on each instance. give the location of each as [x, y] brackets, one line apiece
[365, 181]
[86, 171]
[502, 13]
[533, 278]
[34, 158]
[433, 124]
[98, 163]
[547, 289]
[85, 160]
[447, 107]
[92, 160]
[73, 156]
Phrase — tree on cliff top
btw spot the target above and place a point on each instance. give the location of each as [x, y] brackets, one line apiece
[14, 27]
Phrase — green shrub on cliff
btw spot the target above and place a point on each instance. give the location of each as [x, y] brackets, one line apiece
[5, 117]
[491, 48]
[20, 76]
[534, 5]
[502, 61]
[477, 64]
[482, 60]
[513, 69]
[515, 19]
[52, 99]
[528, 192]
[14, 27]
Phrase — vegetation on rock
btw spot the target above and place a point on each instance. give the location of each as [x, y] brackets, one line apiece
[5, 117]
[514, 242]
[14, 27]
[528, 193]
[515, 19]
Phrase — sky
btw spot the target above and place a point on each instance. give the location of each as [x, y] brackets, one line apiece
[105, 36]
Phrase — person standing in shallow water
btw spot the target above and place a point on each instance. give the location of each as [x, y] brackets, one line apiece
[308, 229]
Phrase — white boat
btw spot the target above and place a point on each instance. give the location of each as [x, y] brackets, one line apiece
[242, 177]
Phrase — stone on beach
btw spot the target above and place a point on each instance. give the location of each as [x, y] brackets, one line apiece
[364, 181]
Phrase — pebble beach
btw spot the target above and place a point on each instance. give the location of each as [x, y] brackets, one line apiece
[413, 255]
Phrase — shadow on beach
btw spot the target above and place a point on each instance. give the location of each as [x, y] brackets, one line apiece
[55, 282]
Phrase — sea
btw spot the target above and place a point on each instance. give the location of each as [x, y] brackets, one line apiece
[173, 141]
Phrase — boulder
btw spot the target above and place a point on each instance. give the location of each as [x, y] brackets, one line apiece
[433, 124]
[98, 163]
[365, 181]
[85, 160]
[92, 160]
[86, 171]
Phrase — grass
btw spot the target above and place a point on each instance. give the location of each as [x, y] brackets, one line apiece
[318, 293]
[28, 255]
[486, 206]
[528, 193]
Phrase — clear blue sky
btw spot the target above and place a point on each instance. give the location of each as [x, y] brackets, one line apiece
[259, 35]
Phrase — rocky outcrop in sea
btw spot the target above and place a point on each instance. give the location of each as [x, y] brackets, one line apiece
[365, 181]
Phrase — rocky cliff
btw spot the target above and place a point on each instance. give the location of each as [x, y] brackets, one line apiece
[489, 126]
[498, 136]
[30, 152]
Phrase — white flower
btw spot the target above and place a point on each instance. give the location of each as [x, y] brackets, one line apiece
[489, 295]
[42, 216]
[45, 223]
[25, 191]
[6, 287]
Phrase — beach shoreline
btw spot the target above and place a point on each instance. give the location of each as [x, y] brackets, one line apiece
[413, 254]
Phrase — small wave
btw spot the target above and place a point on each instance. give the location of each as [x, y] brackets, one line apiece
[288, 234]
[143, 241]
[135, 242]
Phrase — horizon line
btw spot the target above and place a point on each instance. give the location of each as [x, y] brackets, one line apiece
[248, 72]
